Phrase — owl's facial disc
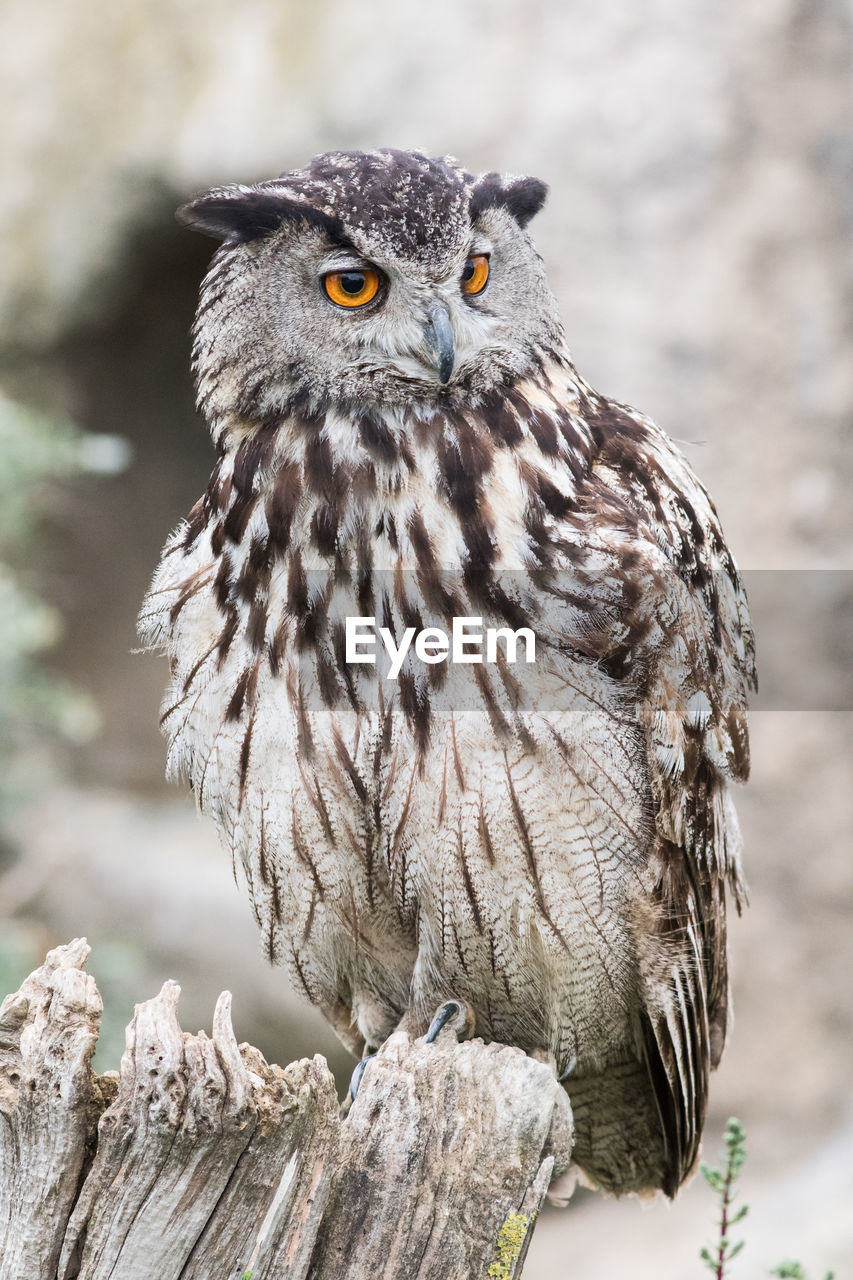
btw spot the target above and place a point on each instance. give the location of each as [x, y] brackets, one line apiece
[410, 324]
[383, 278]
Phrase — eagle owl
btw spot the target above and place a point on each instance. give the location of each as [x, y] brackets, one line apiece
[402, 437]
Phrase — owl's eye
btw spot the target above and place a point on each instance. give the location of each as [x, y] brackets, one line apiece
[352, 288]
[475, 274]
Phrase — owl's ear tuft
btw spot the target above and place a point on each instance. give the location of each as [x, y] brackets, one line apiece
[522, 197]
[233, 213]
[239, 214]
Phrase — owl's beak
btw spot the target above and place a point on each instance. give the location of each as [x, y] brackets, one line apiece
[439, 340]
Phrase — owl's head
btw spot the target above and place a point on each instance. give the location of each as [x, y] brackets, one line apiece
[365, 279]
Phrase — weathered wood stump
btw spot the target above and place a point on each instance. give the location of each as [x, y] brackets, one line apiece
[200, 1161]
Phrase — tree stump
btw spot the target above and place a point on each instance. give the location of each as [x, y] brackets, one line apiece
[201, 1161]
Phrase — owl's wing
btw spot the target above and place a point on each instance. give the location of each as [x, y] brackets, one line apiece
[685, 643]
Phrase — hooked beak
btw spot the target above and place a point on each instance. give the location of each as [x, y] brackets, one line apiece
[439, 340]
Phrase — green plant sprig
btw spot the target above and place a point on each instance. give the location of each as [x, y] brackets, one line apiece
[723, 1182]
[795, 1271]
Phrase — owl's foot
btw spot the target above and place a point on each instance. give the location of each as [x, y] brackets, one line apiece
[454, 1014]
[355, 1080]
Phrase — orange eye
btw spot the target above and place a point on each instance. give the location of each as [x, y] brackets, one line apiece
[475, 275]
[352, 288]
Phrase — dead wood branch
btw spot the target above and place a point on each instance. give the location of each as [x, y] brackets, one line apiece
[203, 1162]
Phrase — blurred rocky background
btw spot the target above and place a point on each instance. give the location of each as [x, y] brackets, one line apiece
[699, 235]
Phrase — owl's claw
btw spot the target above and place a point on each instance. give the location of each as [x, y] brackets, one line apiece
[573, 1062]
[355, 1079]
[454, 1014]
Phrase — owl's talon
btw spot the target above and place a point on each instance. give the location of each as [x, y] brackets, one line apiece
[355, 1079]
[573, 1062]
[454, 1014]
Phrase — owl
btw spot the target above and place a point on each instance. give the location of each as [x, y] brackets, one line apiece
[407, 455]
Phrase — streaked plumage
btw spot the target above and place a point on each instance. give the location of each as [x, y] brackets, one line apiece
[554, 846]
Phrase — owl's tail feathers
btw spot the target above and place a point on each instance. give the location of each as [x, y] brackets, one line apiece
[677, 1071]
[626, 1129]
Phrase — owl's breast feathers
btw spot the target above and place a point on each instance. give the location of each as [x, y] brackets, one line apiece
[563, 837]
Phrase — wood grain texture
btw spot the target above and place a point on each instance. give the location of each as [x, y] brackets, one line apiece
[50, 1100]
[204, 1160]
[445, 1142]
